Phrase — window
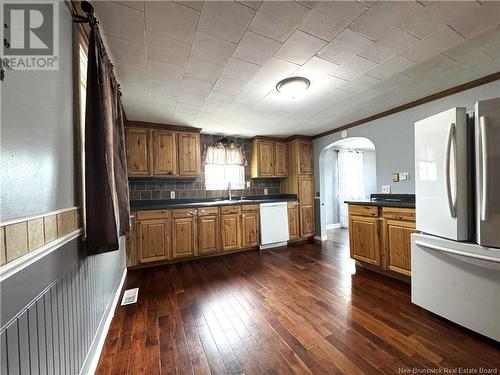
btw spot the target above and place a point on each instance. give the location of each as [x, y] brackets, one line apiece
[224, 166]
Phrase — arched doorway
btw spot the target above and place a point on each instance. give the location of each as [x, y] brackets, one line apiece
[347, 172]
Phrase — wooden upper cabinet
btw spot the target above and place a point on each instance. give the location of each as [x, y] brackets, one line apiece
[184, 237]
[364, 239]
[280, 159]
[306, 191]
[189, 154]
[208, 234]
[154, 240]
[164, 153]
[138, 151]
[305, 157]
[250, 229]
[262, 158]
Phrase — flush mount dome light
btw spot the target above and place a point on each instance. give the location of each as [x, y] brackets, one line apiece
[293, 86]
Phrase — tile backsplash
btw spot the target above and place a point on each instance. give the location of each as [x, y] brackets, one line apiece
[160, 188]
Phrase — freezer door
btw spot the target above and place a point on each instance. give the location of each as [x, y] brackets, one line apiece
[441, 175]
[487, 149]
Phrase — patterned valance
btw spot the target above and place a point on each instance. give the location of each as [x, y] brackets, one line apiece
[220, 154]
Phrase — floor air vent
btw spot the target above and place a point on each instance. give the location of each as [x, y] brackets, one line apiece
[130, 296]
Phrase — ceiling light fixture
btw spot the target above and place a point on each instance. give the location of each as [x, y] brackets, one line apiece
[293, 86]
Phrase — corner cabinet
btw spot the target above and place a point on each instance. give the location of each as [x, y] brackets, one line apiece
[381, 236]
[269, 158]
[157, 152]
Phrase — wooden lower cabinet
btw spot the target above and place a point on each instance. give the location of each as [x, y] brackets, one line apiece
[184, 237]
[154, 240]
[250, 229]
[293, 221]
[306, 220]
[397, 240]
[364, 239]
[208, 234]
[231, 232]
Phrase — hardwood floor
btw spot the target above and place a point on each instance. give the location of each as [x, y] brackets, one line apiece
[301, 310]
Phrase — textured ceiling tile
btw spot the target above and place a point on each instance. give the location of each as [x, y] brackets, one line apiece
[435, 43]
[392, 83]
[165, 71]
[131, 73]
[316, 68]
[388, 45]
[240, 69]
[423, 21]
[484, 17]
[192, 4]
[270, 74]
[113, 17]
[139, 5]
[359, 83]
[300, 47]
[195, 86]
[255, 48]
[157, 87]
[329, 18]
[167, 50]
[382, 17]
[211, 49]
[192, 99]
[225, 19]
[202, 70]
[347, 44]
[135, 90]
[187, 108]
[219, 98]
[172, 20]
[278, 19]
[126, 52]
[165, 100]
[390, 67]
[353, 67]
[254, 4]
[229, 85]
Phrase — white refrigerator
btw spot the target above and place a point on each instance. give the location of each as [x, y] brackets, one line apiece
[456, 256]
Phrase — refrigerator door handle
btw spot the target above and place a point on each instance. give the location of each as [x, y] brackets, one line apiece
[456, 252]
[447, 169]
[484, 168]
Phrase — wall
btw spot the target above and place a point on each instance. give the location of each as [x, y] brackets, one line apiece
[158, 188]
[393, 137]
[53, 309]
[370, 172]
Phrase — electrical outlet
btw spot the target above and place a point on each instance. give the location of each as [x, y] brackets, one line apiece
[404, 176]
[248, 184]
[386, 189]
[172, 194]
[265, 191]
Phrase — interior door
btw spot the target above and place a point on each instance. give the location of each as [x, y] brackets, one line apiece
[487, 137]
[441, 153]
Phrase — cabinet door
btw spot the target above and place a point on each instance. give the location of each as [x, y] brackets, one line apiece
[137, 145]
[231, 232]
[364, 239]
[154, 240]
[305, 157]
[306, 190]
[208, 234]
[164, 153]
[280, 159]
[306, 220]
[265, 158]
[398, 245]
[293, 223]
[184, 237]
[250, 230]
[189, 154]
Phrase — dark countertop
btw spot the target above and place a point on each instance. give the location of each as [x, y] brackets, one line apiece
[140, 205]
[387, 200]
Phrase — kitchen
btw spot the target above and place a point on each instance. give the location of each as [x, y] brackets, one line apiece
[181, 221]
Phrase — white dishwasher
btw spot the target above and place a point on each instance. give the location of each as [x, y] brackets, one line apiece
[273, 224]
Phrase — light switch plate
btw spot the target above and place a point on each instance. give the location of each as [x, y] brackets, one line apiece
[248, 184]
[386, 189]
[172, 194]
[404, 176]
[265, 191]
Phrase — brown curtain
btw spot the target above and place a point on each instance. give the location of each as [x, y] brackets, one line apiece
[106, 185]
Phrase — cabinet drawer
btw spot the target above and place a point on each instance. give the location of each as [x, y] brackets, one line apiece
[293, 204]
[205, 211]
[153, 214]
[359, 210]
[184, 212]
[227, 210]
[250, 208]
[399, 213]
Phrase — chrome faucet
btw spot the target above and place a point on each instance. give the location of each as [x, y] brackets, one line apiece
[229, 190]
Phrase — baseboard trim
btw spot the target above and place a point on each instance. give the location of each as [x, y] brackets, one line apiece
[90, 364]
[320, 238]
[332, 226]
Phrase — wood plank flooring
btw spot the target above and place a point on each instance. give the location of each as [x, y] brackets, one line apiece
[302, 310]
